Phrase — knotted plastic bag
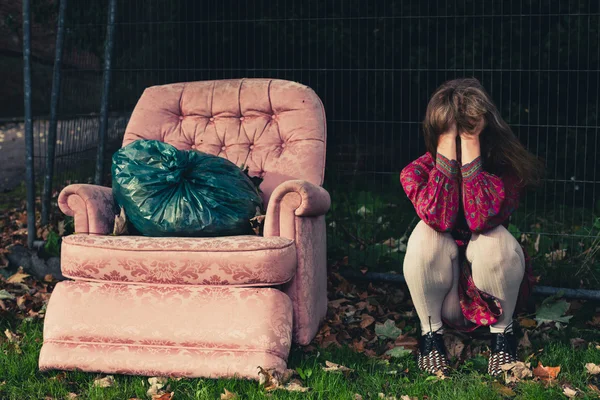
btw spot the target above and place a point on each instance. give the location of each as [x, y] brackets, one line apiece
[171, 192]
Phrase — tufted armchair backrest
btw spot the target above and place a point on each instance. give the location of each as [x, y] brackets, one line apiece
[274, 127]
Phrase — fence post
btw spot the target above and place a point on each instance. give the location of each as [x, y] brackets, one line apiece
[51, 150]
[108, 49]
[29, 173]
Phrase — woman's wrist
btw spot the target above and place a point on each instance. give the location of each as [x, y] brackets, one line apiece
[469, 150]
[447, 146]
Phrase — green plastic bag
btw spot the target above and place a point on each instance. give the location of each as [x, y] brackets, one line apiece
[170, 192]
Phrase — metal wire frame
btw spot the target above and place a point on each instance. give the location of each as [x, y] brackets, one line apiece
[375, 65]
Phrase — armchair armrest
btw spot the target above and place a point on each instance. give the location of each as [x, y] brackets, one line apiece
[309, 200]
[297, 211]
[92, 207]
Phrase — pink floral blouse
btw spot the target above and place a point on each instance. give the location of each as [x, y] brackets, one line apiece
[434, 187]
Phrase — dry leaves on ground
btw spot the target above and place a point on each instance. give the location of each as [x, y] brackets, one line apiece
[104, 382]
[569, 391]
[333, 367]
[505, 391]
[525, 343]
[527, 323]
[517, 371]
[578, 343]
[271, 379]
[454, 345]
[592, 368]
[546, 373]
[366, 318]
[14, 341]
[227, 395]
[163, 396]
[17, 277]
[24, 297]
[156, 384]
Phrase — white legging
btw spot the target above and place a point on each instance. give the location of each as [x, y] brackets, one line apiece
[431, 270]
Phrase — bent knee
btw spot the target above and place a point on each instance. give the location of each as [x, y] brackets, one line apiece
[427, 244]
[495, 249]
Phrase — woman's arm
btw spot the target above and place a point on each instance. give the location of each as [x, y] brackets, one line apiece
[432, 187]
[488, 200]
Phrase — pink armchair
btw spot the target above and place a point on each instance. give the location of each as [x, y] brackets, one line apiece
[210, 307]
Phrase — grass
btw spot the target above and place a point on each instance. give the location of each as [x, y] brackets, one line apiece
[20, 378]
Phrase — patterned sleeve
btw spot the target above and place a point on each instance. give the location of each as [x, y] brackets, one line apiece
[433, 190]
[487, 199]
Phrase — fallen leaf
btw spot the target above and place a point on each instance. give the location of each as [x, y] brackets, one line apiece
[408, 342]
[398, 352]
[366, 320]
[72, 396]
[595, 322]
[384, 397]
[333, 367]
[156, 383]
[5, 295]
[227, 395]
[12, 338]
[578, 342]
[163, 396]
[120, 226]
[439, 375]
[524, 343]
[503, 390]
[61, 228]
[387, 330]
[405, 397]
[59, 377]
[527, 323]
[337, 303]
[105, 382]
[272, 379]
[515, 372]
[546, 373]
[593, 388]
[454, 345]
[357, 396]
[296, 386]
[18, 277]
[592, 368]
[553, 311]
[570, 392]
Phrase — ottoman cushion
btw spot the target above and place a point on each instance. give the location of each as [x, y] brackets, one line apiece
[161, 330]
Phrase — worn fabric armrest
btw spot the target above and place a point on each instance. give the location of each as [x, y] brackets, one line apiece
[309, 200]
[92, 207]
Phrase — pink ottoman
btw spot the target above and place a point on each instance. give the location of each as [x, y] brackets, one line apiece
[220, 331]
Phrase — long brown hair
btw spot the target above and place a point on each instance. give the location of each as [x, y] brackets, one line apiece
[465, 102]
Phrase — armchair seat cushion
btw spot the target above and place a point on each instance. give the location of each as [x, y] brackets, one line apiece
[232, 261]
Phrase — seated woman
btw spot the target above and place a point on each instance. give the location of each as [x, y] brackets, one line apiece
[462, 266]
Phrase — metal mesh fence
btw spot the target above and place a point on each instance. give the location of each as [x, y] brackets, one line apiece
[374, 64]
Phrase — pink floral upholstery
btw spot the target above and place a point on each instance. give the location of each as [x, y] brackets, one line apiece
[239, 260]
[92, 206]
[207, 307]
[220, 331]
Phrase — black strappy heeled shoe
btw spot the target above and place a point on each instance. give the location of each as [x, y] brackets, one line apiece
[503, 350]
[432, 357]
